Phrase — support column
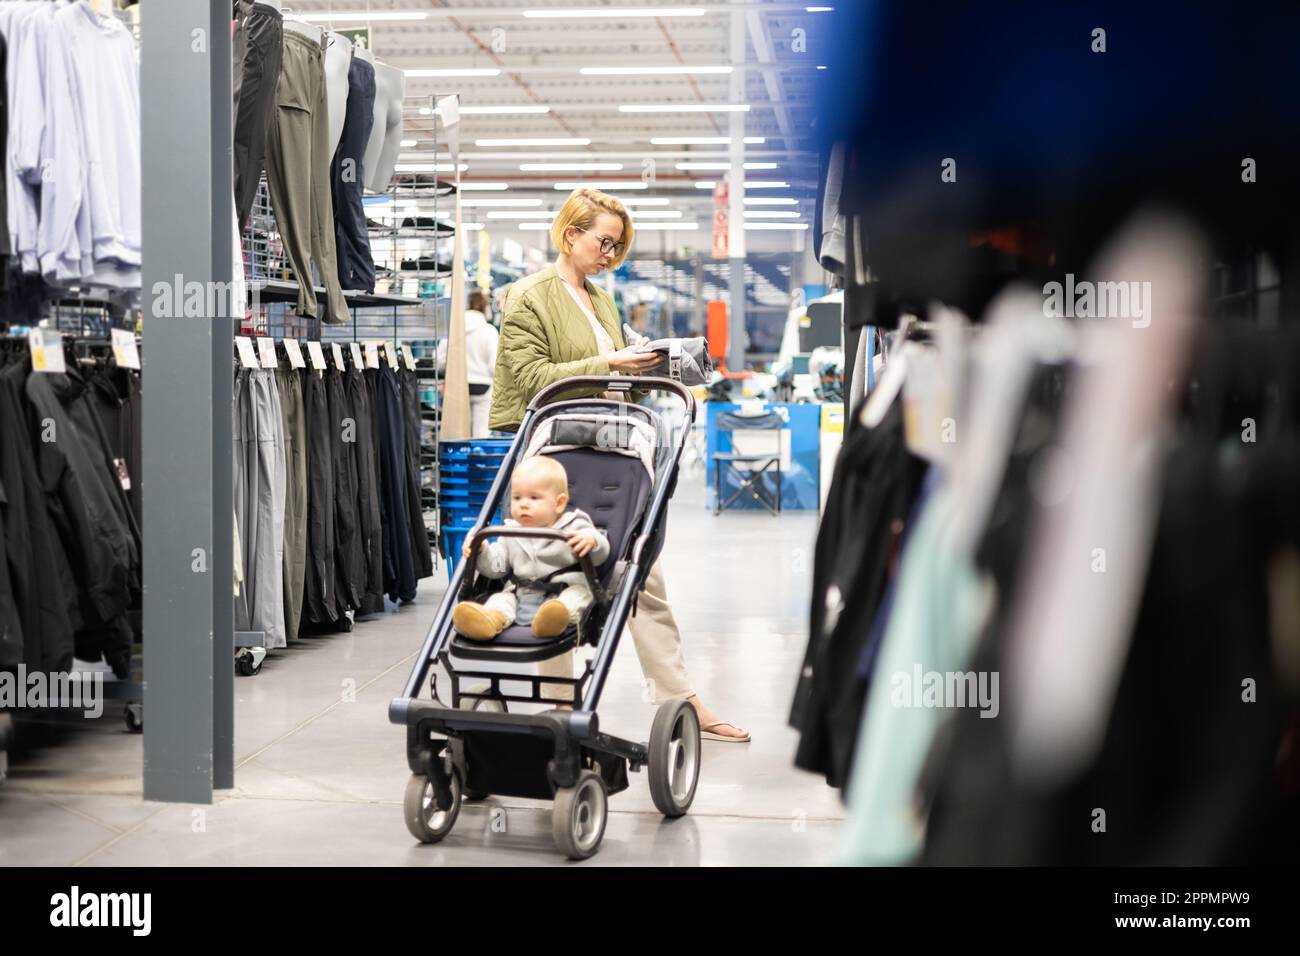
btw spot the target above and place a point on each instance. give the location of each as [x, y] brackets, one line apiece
[736, 199]
[185, 86]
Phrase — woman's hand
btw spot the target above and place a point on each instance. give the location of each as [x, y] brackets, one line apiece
[581, 542]
[633, 361]
[465, 549]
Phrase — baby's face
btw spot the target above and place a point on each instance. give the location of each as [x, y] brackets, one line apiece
[534, 503]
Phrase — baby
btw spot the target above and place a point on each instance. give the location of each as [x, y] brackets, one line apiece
[538, 497]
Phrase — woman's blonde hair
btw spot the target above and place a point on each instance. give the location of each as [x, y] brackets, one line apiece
[581, 209]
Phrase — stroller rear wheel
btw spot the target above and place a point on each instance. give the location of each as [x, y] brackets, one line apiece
[424, 819]
[674, 757]
[578, 818]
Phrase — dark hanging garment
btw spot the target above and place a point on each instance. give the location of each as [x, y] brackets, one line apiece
[875, 484]
[356, 264]
[5, 250]
[319, 606]
[349, 560]
[399, 567]
[420, 551]
[369, 523]
[115, 393]
[258, 49]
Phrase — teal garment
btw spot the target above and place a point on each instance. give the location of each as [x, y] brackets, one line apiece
[939, 606]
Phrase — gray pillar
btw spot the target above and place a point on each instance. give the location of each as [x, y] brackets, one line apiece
[185, 80]
[736, 195]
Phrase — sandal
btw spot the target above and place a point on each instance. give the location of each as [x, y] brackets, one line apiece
[707, 732]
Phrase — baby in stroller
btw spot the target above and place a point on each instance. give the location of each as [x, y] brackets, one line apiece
[545, 585]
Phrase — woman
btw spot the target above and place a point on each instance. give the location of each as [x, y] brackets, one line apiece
[480, 361]
[558, 325]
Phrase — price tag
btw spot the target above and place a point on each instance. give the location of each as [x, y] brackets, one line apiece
[247, 358]
[47, 350]
[266, 350]
[392, 355]
[123, 475]
[372, 355]
[292, 347]
[357, 361]
[338, 355]
[125, 354]
[317, 356]
[409, 355]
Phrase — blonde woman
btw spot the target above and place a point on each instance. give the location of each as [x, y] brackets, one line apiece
[558, 325]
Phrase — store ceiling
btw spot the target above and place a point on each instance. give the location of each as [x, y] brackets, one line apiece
[539, 59]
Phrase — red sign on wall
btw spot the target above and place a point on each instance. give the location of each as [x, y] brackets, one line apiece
[721, 221]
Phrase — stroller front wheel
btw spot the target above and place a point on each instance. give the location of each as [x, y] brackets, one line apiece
[426, 822]
[673, 759]
[578, 817]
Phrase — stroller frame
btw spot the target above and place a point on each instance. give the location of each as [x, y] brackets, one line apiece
[454, 752]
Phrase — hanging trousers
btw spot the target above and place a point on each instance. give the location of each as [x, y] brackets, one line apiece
[259, 504]
[421, 553]
[349, 561]
[319, 605]
[368, 518]
[259, 41]
[399, 568]
[356, 263]
[298, 173]
[294, 431]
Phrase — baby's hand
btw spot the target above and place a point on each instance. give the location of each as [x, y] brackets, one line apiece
[582, 542]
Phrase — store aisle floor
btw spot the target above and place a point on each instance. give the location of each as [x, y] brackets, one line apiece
[320, 771]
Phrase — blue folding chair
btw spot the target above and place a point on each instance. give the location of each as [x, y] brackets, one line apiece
[749, 466]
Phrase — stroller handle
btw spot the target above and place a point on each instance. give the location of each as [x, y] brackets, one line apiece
[480, 535]
[615, 383]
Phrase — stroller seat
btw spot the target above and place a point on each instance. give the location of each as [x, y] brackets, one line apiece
[515, 643]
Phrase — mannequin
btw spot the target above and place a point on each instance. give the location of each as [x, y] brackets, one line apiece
[312, 33]
[338, 57]
[386, 137]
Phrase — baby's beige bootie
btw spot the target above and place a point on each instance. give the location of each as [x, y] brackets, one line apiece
[477, 622]
[551, 620]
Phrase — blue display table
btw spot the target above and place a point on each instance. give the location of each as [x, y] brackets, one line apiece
[800, 458]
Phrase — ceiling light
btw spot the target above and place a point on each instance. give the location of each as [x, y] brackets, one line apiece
[363, 15]
[533, 214]
[469, 187]
[772, 201]
[563, 167]
[771, 214]
[651, 70]
[453, 72]
[501, 110]
[534, 141]
[405, 165]
[471, 226]
[499, 203]
[607, 12]
[701, 140]
[534, 225]
[407, 142]
[604, 186]
[819, 9]
[645, 201]
[765, 184]
[684, 108]
[704, 184]
[693, 165]
[777, 225]
[665, 226]
[656, 214]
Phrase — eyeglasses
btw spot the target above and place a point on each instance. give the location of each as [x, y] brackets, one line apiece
[607, 245]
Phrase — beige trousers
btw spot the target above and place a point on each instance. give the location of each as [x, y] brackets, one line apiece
[658, 645]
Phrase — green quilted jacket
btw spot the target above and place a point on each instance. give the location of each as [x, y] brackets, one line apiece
[545, 337]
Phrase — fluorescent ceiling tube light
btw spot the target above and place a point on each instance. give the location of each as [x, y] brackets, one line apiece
[765, 184]
[533, 214]
[704, 184]
[567, 167]
[772, 201]
[771, 214]
[604, 186]
[407, 142]
[777, 225]
[694, 165]
[410, 164]
[684, 108]
[701, 140]
[656, 214]
[819, 9]
[362, 15]
[534, 141]
[664, 226]
[645, 201]
[566, 13]
[534, 225]
[453, 72]
[469, 187]
[651, 70]
[501, 110]
[501, 203]
[471, 226]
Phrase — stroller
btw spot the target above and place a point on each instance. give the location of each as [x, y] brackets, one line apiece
[622, 469]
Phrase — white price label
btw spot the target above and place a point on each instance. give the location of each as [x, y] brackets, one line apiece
[247, 357]
[317, 355]
[47, 350]
[392, 355]
[409, 355]
[338, 355]
[372, 355]
[266, 351]
[294, 351]
[358, 362]
[125, 354]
